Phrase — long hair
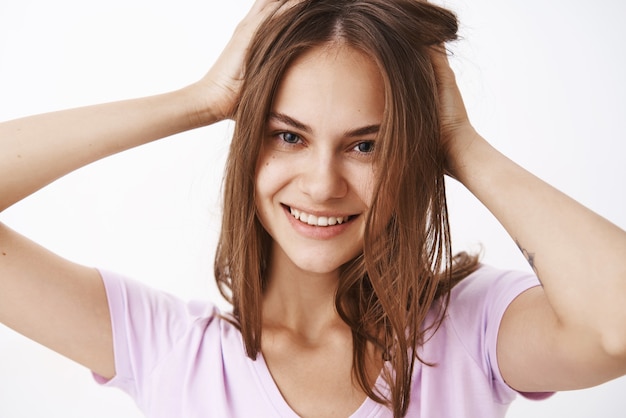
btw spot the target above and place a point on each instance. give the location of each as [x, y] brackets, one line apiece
[406, 266]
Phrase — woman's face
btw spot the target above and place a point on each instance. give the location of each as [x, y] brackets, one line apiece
[315, 173]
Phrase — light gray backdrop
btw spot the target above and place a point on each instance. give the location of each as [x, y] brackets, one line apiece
[543, 81]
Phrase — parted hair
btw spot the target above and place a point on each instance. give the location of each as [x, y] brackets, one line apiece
[406, 269]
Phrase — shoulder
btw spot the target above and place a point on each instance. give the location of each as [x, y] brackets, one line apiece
[477, 304]
[463, 347]
[131, 298]
[491, 286]
[149, 324]
[480, 299]
[190, 351]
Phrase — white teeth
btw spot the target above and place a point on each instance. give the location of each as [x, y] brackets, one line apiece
[318, 220]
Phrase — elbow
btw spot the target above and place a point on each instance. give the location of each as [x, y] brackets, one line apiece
[615, 346]
[614, 342]
[610, 319]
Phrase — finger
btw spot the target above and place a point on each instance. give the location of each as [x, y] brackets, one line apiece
[264, 8]
[441, 63]
[439, 56]
[287, 5]
[259, 5]
[261, 11]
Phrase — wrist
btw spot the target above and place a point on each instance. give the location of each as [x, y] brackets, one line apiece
[465, 149]
[482, 169]
[202, 106]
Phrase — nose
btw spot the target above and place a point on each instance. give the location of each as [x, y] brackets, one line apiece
[322, 178]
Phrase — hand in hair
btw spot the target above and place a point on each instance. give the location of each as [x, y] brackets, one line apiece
[567, 333]
[457, 132]
[223, 81]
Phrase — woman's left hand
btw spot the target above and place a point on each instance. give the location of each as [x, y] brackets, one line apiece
[577, 317]
[457, 133]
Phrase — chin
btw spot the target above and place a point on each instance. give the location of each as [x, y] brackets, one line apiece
[318, 268]
[324, 267]
[318, 259]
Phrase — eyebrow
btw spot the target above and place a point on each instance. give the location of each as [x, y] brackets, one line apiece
[358, 132]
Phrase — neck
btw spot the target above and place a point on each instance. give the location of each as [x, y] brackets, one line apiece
[299, 301]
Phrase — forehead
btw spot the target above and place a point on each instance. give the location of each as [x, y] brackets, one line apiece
[332, 83]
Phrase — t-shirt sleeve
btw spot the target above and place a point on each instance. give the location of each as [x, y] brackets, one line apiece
[481, 300]
[146, 325]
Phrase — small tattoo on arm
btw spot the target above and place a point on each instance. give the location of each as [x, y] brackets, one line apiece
[530, 257]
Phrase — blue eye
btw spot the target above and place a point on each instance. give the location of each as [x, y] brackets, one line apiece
[365, 147]
[289, 137]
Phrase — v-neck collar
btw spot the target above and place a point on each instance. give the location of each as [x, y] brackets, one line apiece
[368, 409]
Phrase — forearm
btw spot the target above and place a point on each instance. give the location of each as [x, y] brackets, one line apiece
[36, 150]
[579, 256]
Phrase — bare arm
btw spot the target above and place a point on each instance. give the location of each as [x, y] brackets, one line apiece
[39, 149]
[571, 333]
[48, 299]
[45, 297]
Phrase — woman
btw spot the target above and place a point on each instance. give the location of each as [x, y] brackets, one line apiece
[334, 248]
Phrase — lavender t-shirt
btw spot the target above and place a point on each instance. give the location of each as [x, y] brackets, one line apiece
[179, 359]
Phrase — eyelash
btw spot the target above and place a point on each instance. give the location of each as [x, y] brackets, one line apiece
[282, 136]
[370, 144]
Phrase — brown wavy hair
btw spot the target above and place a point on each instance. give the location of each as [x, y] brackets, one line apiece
[406, 266]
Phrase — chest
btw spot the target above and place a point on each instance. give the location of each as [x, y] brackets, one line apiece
[209, 375]
[315, 382]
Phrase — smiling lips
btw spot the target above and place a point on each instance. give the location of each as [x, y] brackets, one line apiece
[318, 220]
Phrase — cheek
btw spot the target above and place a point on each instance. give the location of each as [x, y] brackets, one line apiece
[261, 192]
[270, 177]
[264, 176]
[364, 185]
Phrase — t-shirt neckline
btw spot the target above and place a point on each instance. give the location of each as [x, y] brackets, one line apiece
[368, 408]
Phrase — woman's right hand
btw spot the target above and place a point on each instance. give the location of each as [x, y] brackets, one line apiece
[219, 89]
